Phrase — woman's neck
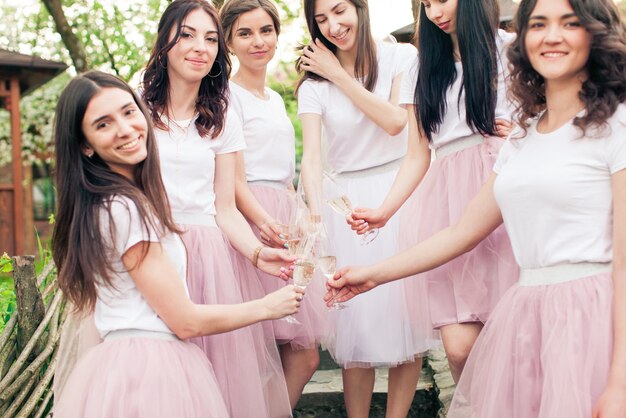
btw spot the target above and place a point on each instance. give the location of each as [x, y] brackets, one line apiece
[347, 59]
[182, 99]
[456, 52]
[251, 79]
[563, 102]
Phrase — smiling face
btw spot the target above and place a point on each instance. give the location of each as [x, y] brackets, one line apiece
[116, 130]
[192, 57]
[338, 22]
[254, 39]
[557, 44]
[442, 13]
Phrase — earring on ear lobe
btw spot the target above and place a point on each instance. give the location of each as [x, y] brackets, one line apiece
[89, 153]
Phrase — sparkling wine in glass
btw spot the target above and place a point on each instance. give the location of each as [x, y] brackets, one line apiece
[328, 266]
[340, 203]
[303, 273]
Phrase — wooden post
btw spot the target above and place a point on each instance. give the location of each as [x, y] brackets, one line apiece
[30, 310]
[16, 153]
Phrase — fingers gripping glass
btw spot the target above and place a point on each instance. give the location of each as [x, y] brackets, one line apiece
[338, 199]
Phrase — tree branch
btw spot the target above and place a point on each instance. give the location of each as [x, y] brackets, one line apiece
[71, 41]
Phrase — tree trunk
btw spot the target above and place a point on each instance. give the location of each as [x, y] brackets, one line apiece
[30, 310]
[71, 41]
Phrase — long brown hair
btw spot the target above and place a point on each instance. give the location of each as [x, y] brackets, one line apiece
[605, 87]
[87, 185]
[366, 65]
[212, 100]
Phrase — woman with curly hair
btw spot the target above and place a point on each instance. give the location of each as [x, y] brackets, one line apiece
[555, 345]
[185, 86]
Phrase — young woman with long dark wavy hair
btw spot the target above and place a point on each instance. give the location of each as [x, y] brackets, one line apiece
[185, 86]
[555, 345]
[119, 255]
[456, 98]
[350, 89]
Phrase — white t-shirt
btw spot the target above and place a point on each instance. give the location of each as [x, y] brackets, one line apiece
[554, 191]
[270, 139]
[355, 142]
[123, 306]
[188, 163]
[454, 125]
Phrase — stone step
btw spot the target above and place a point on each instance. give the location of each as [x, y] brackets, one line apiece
[323, 395]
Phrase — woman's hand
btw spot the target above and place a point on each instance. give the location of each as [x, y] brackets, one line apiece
[612, 404]
[282, 302]
[276, 262]
[320, 60]
[271, 234]
[363, 220]
[348, 283]
[503, 128]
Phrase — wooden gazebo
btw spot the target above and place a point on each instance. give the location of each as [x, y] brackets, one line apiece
[19, 75]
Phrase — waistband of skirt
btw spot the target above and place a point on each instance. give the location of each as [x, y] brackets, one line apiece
[366, 172]
[141, 333]
[202, 219]
[561, 273]
[458, 145]
[269, 183]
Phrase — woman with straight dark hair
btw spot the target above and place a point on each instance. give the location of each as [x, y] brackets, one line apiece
[457, 110]
[265, 174]
[185, 86]
[350, 89]
[119, 255]
[555, 345]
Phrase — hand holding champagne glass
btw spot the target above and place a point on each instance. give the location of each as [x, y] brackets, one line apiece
[328, 266]
[340, 202]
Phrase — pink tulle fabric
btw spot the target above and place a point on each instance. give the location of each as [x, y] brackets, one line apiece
[246, 361]
[280, 204]
[467, 288]
[78, 335]
[544, 353]
[142, 378]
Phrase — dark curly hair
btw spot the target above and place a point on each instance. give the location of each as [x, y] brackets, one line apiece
[212, 100]
[605, 87]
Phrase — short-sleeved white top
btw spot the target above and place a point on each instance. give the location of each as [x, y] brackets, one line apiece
[188, 163]
[454, 125]
[270, 153]
[355, 142]
[123, 306]
[554, 191]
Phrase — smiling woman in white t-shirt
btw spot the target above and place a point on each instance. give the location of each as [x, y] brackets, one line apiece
[350, 91]
[265, 173]
[186, 88]
[118, 250]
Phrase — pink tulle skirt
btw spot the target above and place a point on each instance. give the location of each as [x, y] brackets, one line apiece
[142, 377]
[544, 353]
[467, 288]
[280, 204]
[246, 361]
[78, 336]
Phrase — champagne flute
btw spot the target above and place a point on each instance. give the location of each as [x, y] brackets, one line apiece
[328, 266]
[302, 275]
[340, 202]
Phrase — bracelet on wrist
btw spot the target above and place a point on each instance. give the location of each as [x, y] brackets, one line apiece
[255, 255]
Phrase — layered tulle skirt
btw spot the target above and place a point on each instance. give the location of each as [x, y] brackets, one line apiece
[467, 288]
[544, 353]
[378, 328]
[142, 377]
[280, 204]
[246, 361]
